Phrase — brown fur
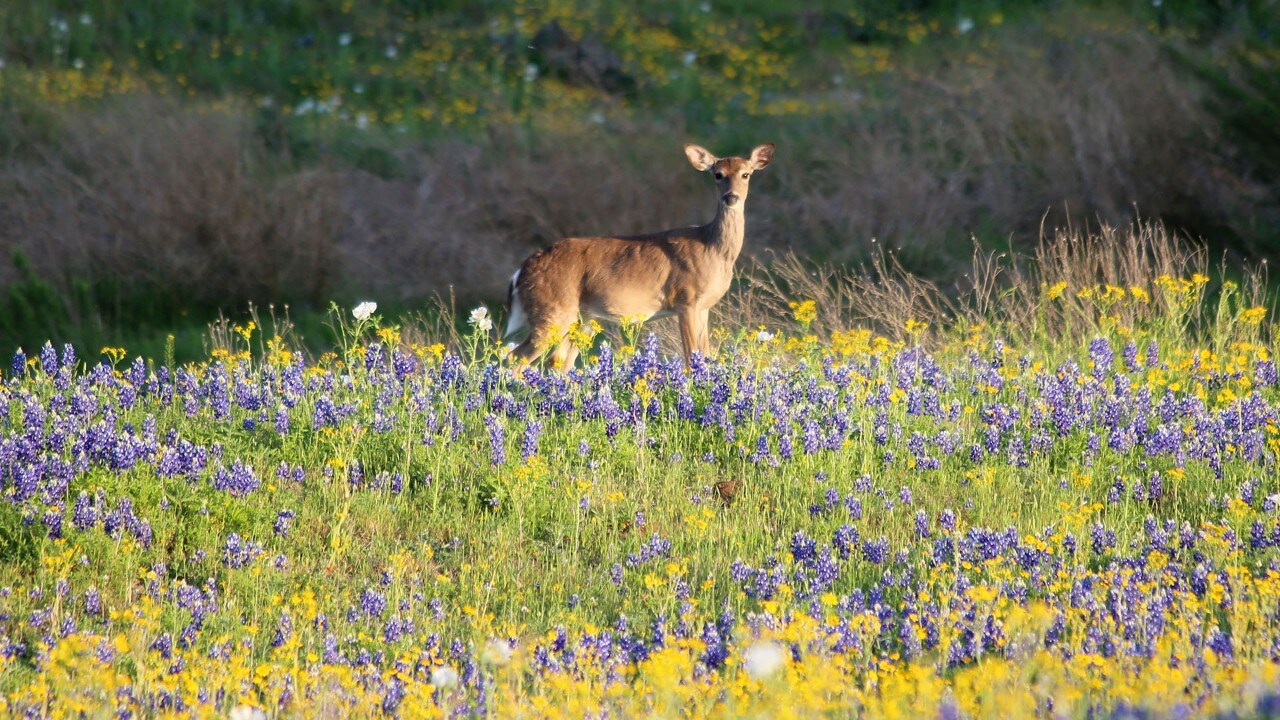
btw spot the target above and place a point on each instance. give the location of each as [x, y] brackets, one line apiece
[684, 271]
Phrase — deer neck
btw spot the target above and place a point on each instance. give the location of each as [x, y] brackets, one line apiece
[726, 232]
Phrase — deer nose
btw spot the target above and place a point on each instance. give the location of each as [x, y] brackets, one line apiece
[731, 199]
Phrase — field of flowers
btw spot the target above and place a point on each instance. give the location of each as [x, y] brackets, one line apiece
[968, 522]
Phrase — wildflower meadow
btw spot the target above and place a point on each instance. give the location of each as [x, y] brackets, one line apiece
[1072, 516]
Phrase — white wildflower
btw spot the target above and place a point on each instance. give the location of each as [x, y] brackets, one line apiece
[444, 677]
[764, 336]
[344, 39]
[247, 712]
[497, 652]
[763, 659]
[364, 310]
[965, 25]
[480, 319]
[86, 19]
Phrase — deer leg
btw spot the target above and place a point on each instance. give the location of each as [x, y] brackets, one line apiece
[526, 351]
[542, 336]
[688, 317]
[703, 336]
[564, 355]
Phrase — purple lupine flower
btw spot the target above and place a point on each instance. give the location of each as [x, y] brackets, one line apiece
[875, 551]
[529, 443]
[93, 602]
[497, 440]
[831, 497]
[84, 516]
[1101, 539]
[284, 519]
[49, 359]
[803, 548]
[326, 413]
[1247, 491]
[238, 553]
[373, 603]
[392, 695]
[1264, 373]
[922, 523]
[1258, 538]
[53, 521]
[163, 645]
[284, 630]
[240, 480]
[1130, 354]
[947, 520]
[846, 537]
[1155, 487]
[1220, 643]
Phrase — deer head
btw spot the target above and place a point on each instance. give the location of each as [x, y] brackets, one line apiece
[732, 174]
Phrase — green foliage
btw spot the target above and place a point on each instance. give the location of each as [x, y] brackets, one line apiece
[347, 84]
[469, 65]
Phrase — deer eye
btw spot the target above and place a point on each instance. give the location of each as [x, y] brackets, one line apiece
[745, 176]
[719, 175]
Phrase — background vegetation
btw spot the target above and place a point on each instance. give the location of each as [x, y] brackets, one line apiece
[162, 162]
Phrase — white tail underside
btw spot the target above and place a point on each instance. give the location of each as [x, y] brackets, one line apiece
[518, 319]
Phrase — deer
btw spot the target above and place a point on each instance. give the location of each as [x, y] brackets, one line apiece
[682, 272]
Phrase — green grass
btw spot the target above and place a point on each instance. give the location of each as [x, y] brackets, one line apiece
[389, 499]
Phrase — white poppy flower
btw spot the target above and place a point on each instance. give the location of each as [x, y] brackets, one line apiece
[763, 659]
[480, 319]
[497, 652]
[444, 677]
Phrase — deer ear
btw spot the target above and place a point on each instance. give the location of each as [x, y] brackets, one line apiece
[762, 155]
[699, 157]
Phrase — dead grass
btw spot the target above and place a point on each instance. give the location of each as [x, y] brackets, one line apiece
[1089, 128]
[469, 216]
[1007, 290]
[160, 200]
